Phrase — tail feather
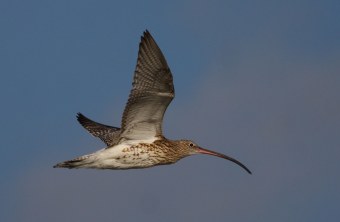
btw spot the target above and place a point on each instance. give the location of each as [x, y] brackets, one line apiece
[74, 163]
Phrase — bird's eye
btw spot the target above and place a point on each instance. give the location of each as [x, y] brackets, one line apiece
[191, 144]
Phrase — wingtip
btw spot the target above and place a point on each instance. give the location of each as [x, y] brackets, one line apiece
[146, 35]
[82, 119]
[79, 115]
[146, 32]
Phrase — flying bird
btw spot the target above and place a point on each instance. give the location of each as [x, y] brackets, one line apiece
[140, 143]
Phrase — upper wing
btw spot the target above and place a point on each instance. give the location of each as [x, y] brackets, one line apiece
[152, 91]
[108, 134]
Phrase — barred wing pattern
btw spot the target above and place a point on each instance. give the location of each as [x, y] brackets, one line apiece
[108, 134]
[152, 92]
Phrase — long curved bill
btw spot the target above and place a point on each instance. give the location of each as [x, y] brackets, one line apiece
[209, 152]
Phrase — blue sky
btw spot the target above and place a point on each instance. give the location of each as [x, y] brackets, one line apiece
[257, 80]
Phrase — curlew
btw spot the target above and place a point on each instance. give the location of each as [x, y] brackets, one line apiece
[140, 143]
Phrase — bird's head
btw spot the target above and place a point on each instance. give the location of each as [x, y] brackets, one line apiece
[192, 148]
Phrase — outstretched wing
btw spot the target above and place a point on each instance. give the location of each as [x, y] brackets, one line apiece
[108, 134]
[152, 92]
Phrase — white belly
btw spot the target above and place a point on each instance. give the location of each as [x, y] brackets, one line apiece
[121, 156]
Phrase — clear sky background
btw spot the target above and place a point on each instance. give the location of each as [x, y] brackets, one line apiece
[257, 80]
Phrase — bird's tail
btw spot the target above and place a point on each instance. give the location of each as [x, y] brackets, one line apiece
[79, 162]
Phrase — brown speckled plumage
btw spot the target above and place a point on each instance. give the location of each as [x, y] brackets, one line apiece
[108, 134]
[140, 143]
